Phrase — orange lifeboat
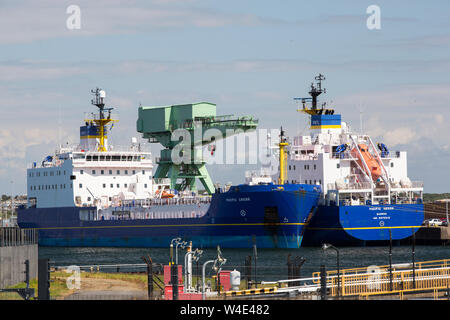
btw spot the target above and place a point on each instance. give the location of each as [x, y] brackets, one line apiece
[165, 195]
[372, 163]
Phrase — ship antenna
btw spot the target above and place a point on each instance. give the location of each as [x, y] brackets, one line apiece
[99, 102]
[317, 90]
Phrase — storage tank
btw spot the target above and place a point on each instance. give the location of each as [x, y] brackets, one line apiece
[235, 279]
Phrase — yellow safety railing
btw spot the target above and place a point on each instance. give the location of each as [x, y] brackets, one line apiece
[376, 280]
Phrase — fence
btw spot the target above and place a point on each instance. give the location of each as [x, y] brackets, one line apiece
[12, 237]
[378, 280]
[16, 246]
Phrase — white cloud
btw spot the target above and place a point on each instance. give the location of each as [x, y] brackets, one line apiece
[32, 20]
[399, 136]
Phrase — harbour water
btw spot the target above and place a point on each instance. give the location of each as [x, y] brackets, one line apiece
[271, 264]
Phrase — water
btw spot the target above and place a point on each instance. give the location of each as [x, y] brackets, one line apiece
[271, 263]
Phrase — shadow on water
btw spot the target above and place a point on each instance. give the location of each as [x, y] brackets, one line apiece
[271, 263]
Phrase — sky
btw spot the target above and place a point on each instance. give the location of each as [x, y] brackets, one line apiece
[247, 57]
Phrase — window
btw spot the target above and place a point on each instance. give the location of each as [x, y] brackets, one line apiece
[111, 185]
[118, 171]
[289, 167]
[125, 185]
[294, 167]
[126, 171]
[338, 165]
[110, 171]
[143, 171]
[81, 171]
[108, 158]
[88, 198]
[392, 164]
[118, 185]
[104, 185]
[93, 171]
[145, 185]
[81, 185]
[102, 171]
[314, 167]
[134, 171]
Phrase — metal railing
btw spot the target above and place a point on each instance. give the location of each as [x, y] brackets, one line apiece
[379, 280]
[10, 237]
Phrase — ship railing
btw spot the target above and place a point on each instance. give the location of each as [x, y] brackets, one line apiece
[347, 155]
[163, 202]
[349, 186]
[310, 156]
[405, 187]
[142, 213]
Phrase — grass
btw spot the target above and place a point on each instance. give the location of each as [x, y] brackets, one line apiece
[59, 289]
[58, 284]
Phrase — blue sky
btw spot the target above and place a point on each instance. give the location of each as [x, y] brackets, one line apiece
[248, 57]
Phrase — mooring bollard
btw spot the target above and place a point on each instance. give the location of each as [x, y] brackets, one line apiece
[43, 279]
[174, 280]
[323, 282]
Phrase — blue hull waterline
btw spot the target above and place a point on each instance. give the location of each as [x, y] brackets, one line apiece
[363, 225]
[269, 216]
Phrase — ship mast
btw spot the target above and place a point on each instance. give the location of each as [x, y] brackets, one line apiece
[101, 121]
[283, 144]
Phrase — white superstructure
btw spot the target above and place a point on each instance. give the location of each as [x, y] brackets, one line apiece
[93, 173]
[350, 168]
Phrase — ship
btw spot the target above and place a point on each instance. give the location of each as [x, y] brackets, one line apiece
[367, 197]
[95, 194]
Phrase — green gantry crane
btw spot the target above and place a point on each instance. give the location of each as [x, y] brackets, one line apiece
[183, 130]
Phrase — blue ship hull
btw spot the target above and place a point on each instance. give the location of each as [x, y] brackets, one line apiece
[269, 216]
[363, 225]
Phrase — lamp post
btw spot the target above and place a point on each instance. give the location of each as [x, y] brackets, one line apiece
[182, 244]
[171, 248]
[326, 246]
[203, 278]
